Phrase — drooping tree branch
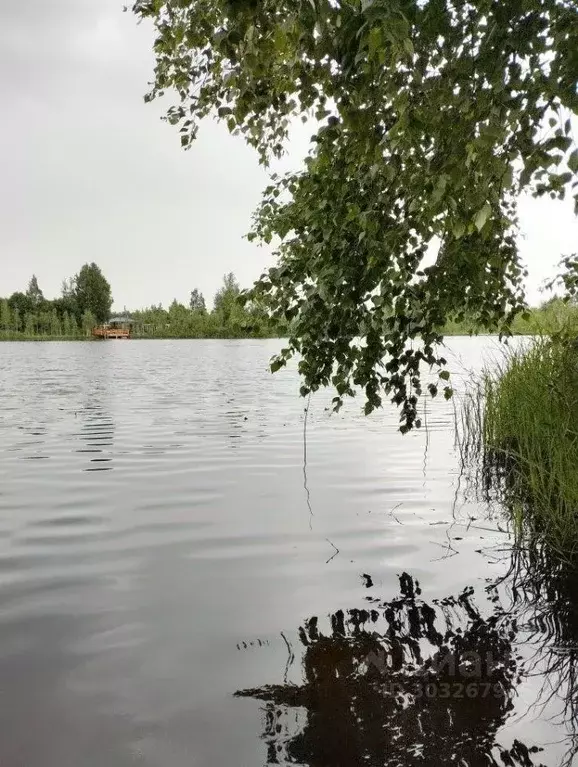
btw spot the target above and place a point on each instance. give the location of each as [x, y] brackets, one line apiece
[431, 116]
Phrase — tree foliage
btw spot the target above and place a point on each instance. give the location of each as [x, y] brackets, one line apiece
[6, 317]
[92, 293]
[34, 294]
[20, 303]
[66, 303]
[230, 317]
[567, 278]
[197, 301]
[430, 117]
[226, 300]
[30, 315]
[89, 321]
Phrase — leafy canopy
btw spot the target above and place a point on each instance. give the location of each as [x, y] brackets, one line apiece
[92, 294]
[429, 118]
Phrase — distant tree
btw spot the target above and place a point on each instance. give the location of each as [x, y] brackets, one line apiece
[69, 325]
[227, 298]
[88, 321]
[68, 287]
[67, 301]
[66, 329]
[44, 321]
[21, 303]
[30, 324]
[178, 318]
[198, 323]
[34, 293]
[197, 301]
[92, 293]
[16, 327]
[5, 316]
[55, 326]
[152, 321]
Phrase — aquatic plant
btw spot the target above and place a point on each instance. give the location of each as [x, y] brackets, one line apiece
[521, 424]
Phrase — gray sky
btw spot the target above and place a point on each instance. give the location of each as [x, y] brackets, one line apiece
[88, 172]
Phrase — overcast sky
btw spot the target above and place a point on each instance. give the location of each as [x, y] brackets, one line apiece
[88, 172]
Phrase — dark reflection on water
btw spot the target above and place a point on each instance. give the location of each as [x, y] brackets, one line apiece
[401, 682]
[412, 682]
[125, 593]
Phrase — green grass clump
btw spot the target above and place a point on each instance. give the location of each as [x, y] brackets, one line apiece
[524, 422]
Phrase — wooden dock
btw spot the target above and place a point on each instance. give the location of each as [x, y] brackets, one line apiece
[106, 332]
[116, 327]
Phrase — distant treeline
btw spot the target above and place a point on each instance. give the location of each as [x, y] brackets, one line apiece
[86, 302]
[230, 318]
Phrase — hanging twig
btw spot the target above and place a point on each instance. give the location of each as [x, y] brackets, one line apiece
[333, 555]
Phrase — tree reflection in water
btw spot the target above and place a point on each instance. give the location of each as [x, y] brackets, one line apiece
[400, 683]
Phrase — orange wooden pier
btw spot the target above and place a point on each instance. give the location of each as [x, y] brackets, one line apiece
[117, 327]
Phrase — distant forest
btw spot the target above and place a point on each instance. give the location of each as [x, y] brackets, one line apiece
[86, 301]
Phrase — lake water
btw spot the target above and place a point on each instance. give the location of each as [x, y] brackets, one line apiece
[164, 545]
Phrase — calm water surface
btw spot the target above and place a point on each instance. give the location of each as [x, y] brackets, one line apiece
[163, 547]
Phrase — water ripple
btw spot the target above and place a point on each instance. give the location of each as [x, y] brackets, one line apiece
[154, 514]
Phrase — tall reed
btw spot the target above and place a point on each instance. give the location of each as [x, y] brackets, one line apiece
[522, 422]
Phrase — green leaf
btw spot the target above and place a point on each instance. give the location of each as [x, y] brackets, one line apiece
[277, 365]
[440, 187]
[459, 229]
[558, 142]
[444, 375]
[573, 161]
[482, 216]
[508, 177]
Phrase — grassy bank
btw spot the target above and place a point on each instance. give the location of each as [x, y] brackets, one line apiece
[42, 337]
[523, 423]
